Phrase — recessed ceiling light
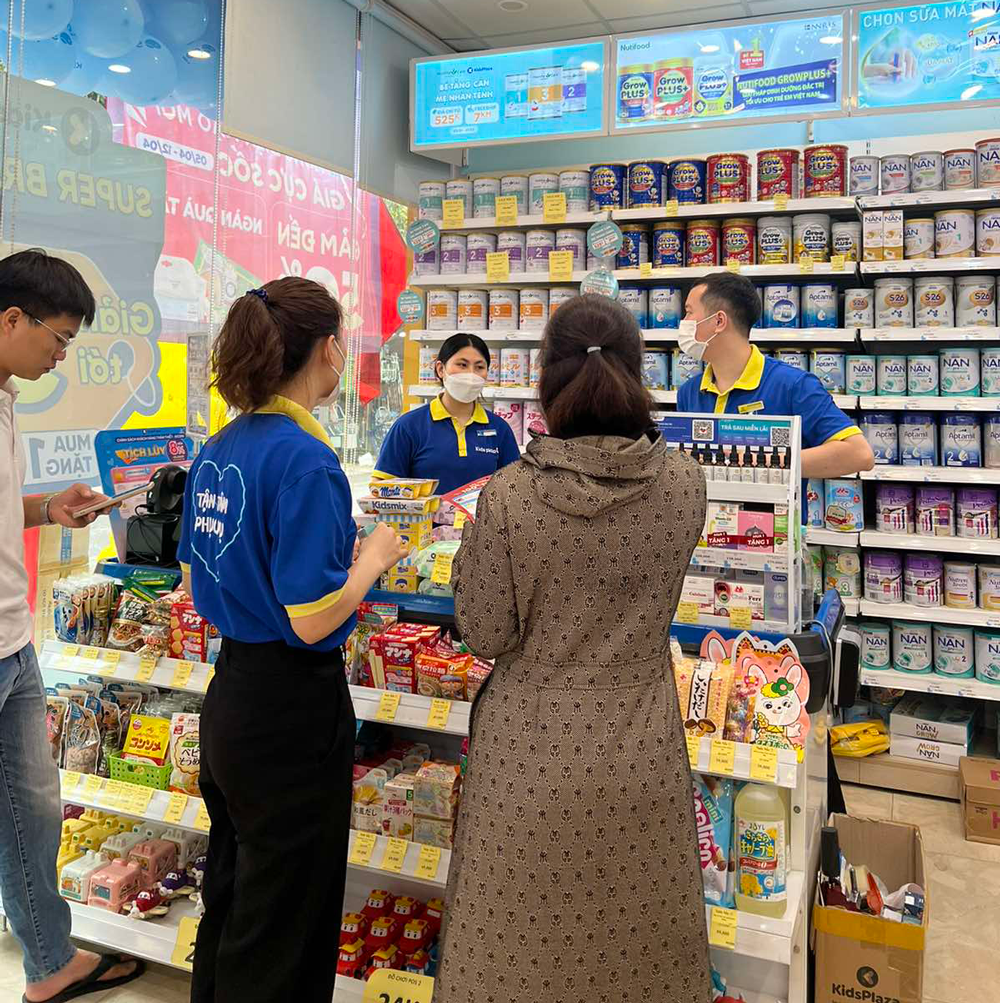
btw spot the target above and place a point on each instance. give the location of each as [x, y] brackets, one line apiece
[831, 40]
[512, 6]
[120, 68]
[45, 82]
[590, 66]
[709, 48]
[199, 54]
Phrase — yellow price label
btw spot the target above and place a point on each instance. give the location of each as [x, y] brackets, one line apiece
[70, 650]
[71, 780]
[428, 861]
[461, 518]
[139, 799]
[147, 666]
[187, 936]
[763, 763]
[733, 264]
[694, 749]
[388, 984]
[182, 675]
[395, 854]
[92, 785]
[671, 208]
[687, 612]
[560, 266]
[91, 654]
[781, 203]
[107, 663]
[554, 207]
[722, 928]
[453, 212]
[201, 821]
[506, 210]
[438, 715]
[722, 758]
[441, 574]
[740, 617]
[837, 263]
[175, 809]
[497, 266]
[362, 848]
[645, 269]
[114, 790]
[806, 264]
[387, 706]
[207, 679]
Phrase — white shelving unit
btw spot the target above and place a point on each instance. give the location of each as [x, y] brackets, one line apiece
[933, 266]
[940, 334]
[830, 538]
[668, 336]
[931, 683]
[984, 404]
[526, 221]
[685, 210]
[747, 492]
[478, 281]
[821, 269]
[787, 774]
[932, 475]
[935, 544]
[980, 197]
[719, 557]
[794, 336]
[930, 614]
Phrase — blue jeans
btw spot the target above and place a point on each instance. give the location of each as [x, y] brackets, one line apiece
[30, 821]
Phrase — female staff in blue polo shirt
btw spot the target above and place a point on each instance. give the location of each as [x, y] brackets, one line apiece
[269, 555]
[454, 438]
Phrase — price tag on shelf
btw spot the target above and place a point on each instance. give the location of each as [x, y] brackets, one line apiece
[69, 652]
[175, 809]
[441, 575]
[395, 854]
[806, 264]
[452, 212]
[506, 210]
[182, 675]
[461, 518]
[645, 270]
[208, 677]
[387, 706]
[694, 749]
[837, 263]
[92, 785]
[71, 780]
[438, 716]
[554, 207]
[107, 663]
[560, 266]
[362, 849]
[201, 821]
[137, 798]
[147, 666]
[763, 763]
[388, 984]
[91, 654]
[781, 203]
[187, 936]
[722, 758]
[740, 617]
[733, 265]
[497, 266]
[687, 612]
[671, 208]
[722, 929]
[427, 863]
[113, 791]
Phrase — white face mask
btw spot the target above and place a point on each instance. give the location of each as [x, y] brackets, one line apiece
[464, 387]
[335, 392]
[687, 338]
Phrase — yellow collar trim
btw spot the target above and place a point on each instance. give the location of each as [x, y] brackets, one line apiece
[749, 379]
[439, 412]
[298, 414]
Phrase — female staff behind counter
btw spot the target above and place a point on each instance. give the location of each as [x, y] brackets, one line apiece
[454, 439]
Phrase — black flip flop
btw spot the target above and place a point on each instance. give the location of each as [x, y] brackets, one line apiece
[93, 984]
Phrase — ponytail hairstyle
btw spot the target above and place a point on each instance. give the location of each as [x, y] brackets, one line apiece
[591, 381]
[268, 337]
[455, 344]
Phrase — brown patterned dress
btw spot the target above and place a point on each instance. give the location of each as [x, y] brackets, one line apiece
[576, 873]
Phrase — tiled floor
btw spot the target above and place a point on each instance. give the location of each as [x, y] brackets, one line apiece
[964, 941]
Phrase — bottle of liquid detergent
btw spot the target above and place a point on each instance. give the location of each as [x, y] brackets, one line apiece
[761, 850]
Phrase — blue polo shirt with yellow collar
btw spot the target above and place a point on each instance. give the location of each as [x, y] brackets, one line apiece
[267, 533]
[429, 443]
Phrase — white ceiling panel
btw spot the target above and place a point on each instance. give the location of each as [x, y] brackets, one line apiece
[617, 9]
[467, 44]
[764, 8]
[672, 18]
[486, 17]
[431, 15]
[561, 34]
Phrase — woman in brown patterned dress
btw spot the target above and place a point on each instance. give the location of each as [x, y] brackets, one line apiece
[576, 874]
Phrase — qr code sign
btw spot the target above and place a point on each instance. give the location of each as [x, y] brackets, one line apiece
[702, 430]
[780, 435]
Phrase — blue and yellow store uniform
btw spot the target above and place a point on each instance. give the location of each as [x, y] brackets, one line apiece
[429, 443]
[267, 536]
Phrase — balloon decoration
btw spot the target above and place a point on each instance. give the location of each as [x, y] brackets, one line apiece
[177, 22]
[152, 72]
[43, 19]
[108, 28]
[198, 77]
[49, 60]
[88, 72]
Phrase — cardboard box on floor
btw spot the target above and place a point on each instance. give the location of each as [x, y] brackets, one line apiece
[980, 784]
[865, 958]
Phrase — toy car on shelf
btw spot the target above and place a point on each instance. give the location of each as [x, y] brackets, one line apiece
[385, 957]
[434, 914]
[407, 908]
[353, 927]
[148, 904]
[379, 904]
[113, 887]
[416, 937]
[384, 931]
[352, 960]
[419, 964]
[156, 859]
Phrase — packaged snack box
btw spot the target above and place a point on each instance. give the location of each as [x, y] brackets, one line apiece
[433, 831]
[185, 753]
[192, 637]
[368, 799]
[442, 675]
[436, 789]
[397, 808]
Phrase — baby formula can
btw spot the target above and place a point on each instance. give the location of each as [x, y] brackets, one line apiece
[460, 188]
[927, 171]
[988, 233]
[683, 368]
[844, 506]
[430, 195]
[687, 181]
[669, 243]
[894, 302]
[922, 376]
[845, 240]
[819, 305]
[954, 651]
[473, 309]
[875, 645]
[918, 440]
[635, 246]
[976, 514]
[935, 511]
[484, 197]
[427, 263]
[575, 185]
[534, 308]
[427, 358]
[954, 233]
[959, 170]
[890, 375]
[859, 308]
[987, 656]
[918, 238]
[777, 174]
[883, 576]
[988, 163]
[960, 585]
[635, 299]
[666, 307]
[739, 240]
[991, 441]
[894, 172]
[828, 365]
[774, 240]
[645, 183]
[673, 82]
[864, 175]
[478, 246]
[575, 241]
[781, 306]
[811, 235]
[607, 186]
[860, 371]
[894, 508]
[912, 650]
[535, 364]
[656, 369]
[504, 309]
[442, 309]
[797, 358]
[516, 185]
[842, 570]
[515, 244]
[453, 254]
[975, 301]
[545, 92]
[815, 503]
[959, 372]
[882, 434]
[703, 242]
[728, 178]
[923, 579]
[635, 93]
[989, 586]
[540, 184]
[538, 245]
[558, 295]
[824, 169]
[514, 363]
[961, 440]
[934, 301]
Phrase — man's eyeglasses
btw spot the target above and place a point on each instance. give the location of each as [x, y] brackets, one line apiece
[63, 340]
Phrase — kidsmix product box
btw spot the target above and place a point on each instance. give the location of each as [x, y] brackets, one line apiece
[861, 957]
[980, 785]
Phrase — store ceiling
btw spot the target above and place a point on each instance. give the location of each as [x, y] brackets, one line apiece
[491, 24]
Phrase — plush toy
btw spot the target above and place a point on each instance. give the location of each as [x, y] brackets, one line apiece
[148, 905]
[176, 884]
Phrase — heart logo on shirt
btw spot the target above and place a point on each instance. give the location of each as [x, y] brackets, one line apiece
[219, 498]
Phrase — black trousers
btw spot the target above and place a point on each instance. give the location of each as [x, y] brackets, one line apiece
[277, 747]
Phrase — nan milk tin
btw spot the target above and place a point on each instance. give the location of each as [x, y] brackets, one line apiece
[922, 376]
[959, 372]
[875, 646]
[860, 374]
[912, 649]
[988, 163]
[954, 651]
[927, 171]
[988, 233]
[890, 375]
[918, 238]
[959, 170]
[987, 656]
[894, 173]
[864, 175]
[954, 233]
[989, 370]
